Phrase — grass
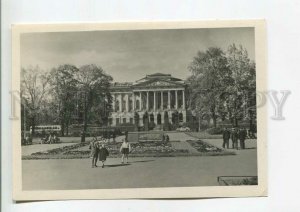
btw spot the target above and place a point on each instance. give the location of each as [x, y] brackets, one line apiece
[238, 180]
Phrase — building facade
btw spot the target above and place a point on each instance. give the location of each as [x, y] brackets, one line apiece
[153, 95]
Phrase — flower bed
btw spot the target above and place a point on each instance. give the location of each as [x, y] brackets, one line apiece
[59, 150]
[154, 147]
[202, 146]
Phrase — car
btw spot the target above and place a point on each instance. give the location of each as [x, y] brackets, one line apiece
[183, 129]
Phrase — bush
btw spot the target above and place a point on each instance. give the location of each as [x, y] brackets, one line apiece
[215, 131]
[151, 125]
[167, 126]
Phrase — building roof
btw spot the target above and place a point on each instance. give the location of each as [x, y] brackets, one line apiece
[156, 79]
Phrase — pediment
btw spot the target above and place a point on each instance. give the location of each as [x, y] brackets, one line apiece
[159, 83]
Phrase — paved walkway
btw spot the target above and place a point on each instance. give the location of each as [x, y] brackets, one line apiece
[249, 143]
[139, 173]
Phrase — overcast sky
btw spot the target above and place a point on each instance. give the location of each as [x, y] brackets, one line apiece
[130, 55]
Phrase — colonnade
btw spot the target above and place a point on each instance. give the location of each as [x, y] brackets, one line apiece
[135, 101]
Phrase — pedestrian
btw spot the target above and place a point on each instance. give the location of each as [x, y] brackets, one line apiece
[50, 138]
[226, 137]
[167, 138]
[234, 138]
[91, 146]
[242, 137]
[27, 142]
[103, 153]
[94, 146]
[125, 149]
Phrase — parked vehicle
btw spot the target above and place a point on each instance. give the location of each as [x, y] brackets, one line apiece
[41, 130]
[183, 129]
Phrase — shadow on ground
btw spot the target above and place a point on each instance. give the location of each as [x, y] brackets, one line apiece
[141, 161]
[117, 165]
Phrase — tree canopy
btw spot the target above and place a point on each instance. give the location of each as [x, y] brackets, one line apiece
[221, 82]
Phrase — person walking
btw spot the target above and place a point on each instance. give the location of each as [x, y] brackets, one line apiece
[103, 153]
[226, 137]
[94, 146]
[242, 137]
[125, 149]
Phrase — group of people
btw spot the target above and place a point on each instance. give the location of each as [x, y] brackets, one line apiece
[100, 152]
[236, 135]
[51, 138]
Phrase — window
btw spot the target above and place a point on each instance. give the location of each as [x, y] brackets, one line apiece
[117, 121]
[124, 120]
[131, 120]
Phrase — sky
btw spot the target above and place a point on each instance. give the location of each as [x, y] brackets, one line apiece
[129, 55]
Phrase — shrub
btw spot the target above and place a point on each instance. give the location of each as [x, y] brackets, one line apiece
[214, 131]
[151, 125]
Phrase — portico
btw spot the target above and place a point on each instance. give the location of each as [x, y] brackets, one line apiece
[154, 94]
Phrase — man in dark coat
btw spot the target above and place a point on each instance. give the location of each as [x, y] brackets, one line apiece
[226, 137]
[234, 138]
[242, 137]
[94, 147]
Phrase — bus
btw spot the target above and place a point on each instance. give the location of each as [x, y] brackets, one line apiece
[40, 129]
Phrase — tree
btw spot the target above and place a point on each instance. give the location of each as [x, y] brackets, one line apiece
[136, 121]
[241, 92]
[146, 121]
[34, 86]
[166, 121]
[65, 88]
[210, 75]
[94, 85]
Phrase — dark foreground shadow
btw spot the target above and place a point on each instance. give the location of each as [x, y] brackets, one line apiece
[141, 161]
[117, 165]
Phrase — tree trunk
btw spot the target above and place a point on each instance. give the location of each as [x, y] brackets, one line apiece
[67, 128]
[85, 121]
[214, 118]
[199, 123]
[235, 122]
[62, 128]
[84, 125]
[32, 126]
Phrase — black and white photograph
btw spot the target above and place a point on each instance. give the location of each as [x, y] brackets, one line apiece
[139, 110]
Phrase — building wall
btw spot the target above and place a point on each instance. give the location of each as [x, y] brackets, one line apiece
[151, 101]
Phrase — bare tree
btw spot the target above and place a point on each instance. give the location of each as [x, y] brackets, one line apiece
[34, 86]
[93, 83]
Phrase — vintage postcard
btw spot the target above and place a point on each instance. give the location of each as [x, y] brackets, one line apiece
[139, 110]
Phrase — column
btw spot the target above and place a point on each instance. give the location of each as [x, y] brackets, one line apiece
[140, 100]
[120, 103]
[169, 100]
[114, 102]
[162, 100]
[147, 104]
[176, 100]
[154, 102]
[127, 102]
[133, 101]
[183, 99]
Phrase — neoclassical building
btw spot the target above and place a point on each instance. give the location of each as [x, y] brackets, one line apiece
[154, 94]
